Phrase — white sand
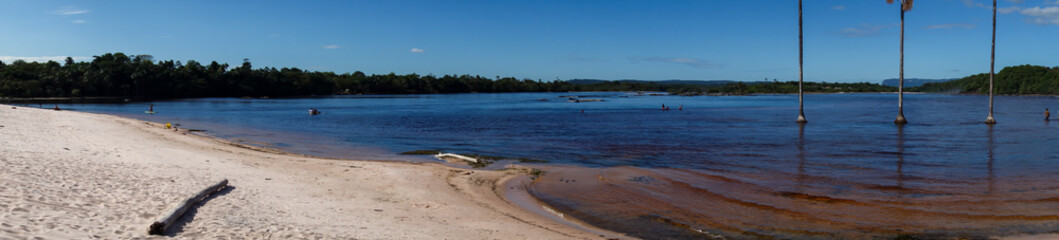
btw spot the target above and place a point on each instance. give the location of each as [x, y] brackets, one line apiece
[71, 175]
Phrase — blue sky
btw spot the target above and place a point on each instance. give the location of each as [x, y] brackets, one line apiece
[846, 41]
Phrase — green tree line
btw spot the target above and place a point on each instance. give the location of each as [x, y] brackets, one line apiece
[140, 77]
[1022, 79]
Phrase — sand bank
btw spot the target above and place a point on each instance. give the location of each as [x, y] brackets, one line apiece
[72, 175]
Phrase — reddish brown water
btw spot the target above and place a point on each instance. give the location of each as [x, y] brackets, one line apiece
[680, 203]
[731, 166]
[843, 176]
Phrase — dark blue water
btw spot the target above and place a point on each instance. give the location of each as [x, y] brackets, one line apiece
[850, 151]
[625, 129]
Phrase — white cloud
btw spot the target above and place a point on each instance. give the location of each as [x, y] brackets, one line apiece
[1041, 12]
[1043, 16]
[79, 21]
[60, 59]
[972, 3]
[1037, 15]
[865, 30]
[950, 25]
[332, 46]
[1045, 21]
[585, 59]
[694, 62]
[70, 11]
[839, 8]
[1007, 10]
[417, 50]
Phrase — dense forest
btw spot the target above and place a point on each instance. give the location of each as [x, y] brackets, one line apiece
[1022, 79]
[140, 77]
[119, 75]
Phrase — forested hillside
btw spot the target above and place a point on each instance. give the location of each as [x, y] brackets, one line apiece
[1022, 79]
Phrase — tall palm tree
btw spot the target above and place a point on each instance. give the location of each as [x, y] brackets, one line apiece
[801, 109]
[992, 63]
[906, 5]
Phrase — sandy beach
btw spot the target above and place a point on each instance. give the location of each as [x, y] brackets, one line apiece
[73, 175]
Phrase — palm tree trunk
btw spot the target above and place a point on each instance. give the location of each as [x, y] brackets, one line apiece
[801, 105]
[992, 63]
[901, 86]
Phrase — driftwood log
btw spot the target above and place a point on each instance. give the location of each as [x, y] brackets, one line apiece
[447, 156]
[163, 223]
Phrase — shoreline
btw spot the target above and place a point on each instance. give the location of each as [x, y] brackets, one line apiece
[924, 200]
[79, 175]
[121, 100]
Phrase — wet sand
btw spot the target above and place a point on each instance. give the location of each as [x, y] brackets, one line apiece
[71, 175]
[696, 204]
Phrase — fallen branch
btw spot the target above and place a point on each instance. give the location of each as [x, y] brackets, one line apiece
[446, 156]
[159, 227]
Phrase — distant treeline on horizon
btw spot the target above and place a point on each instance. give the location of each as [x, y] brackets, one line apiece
[140, 77]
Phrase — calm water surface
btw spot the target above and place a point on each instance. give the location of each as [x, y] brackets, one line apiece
[734, 166]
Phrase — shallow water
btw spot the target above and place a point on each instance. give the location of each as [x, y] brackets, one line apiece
[735, 166]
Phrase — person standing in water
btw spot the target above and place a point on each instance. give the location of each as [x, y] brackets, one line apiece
[1046, 114]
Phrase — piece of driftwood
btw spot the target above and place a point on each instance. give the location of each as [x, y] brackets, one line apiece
[163, 223]
[446, 156]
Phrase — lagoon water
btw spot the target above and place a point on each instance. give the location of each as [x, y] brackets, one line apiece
[733, 166]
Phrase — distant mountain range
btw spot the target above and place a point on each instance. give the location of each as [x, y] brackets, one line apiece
[913, 82]
[660, 82]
